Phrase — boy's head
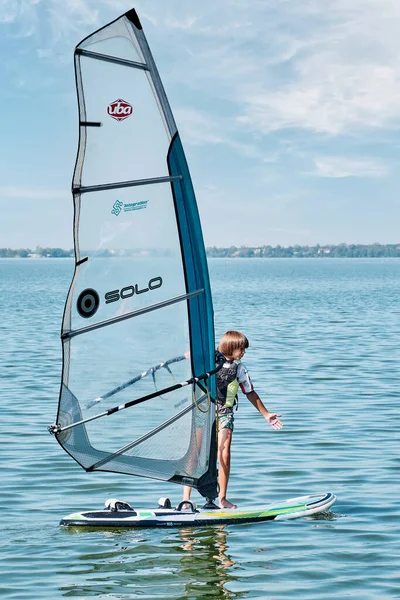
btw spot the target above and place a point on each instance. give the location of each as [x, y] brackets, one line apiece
[231, 341]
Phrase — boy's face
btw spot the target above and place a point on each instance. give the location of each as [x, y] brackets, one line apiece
[238, 353]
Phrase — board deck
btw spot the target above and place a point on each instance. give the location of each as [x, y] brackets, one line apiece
[171, 517]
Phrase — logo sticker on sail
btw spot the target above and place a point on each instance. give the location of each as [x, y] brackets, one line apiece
[88, 303]
[130, 290]
[120, 109]
[119, 206]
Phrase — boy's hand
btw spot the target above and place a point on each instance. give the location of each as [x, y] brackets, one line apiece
[273, 420]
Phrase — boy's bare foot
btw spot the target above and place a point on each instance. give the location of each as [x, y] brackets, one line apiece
[224, 503]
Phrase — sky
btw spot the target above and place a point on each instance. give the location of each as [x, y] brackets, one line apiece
[289, 113]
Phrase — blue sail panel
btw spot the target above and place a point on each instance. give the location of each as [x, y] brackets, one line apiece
[194, 260]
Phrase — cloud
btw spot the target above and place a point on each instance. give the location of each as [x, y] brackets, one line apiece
[289, 65]
[70, 16]
[344, 76]
[21, 13]
[54, 20]
[188, 22]
[342, 100]
[339, 167]
[197, 127]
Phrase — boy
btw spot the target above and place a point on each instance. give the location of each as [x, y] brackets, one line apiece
[233, 374]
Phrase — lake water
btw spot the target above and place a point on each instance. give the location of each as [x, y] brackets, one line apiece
[324, 352]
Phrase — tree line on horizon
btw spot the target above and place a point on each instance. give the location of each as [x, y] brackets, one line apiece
[328, 251]
[37, 253]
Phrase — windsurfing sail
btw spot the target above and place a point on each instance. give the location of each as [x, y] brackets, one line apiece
[137, 391]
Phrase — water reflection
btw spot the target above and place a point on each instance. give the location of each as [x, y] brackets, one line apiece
[184, 563]
[206, 563]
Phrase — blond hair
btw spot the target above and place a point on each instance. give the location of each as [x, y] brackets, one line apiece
[232, 340]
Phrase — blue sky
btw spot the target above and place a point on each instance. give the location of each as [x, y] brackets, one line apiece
[289, 113]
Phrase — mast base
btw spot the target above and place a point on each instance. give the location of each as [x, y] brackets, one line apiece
[210, 505]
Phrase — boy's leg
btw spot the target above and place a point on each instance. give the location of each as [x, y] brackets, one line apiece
[224, 459]
[186, 492]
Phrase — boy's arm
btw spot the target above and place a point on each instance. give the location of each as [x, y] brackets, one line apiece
[271, 418]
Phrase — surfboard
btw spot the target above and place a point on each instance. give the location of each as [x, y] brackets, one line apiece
[122, 515]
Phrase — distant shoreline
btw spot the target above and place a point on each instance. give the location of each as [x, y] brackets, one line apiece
[318, 251]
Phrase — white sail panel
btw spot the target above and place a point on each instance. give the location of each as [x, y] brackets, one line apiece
[126, 349]
[132, 142]
[115, 40]
[131, 238]
[126, 219]
[181, 447]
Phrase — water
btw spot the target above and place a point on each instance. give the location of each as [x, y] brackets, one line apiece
[324, 351]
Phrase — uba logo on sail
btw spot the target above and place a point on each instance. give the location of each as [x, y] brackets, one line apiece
[119, 109]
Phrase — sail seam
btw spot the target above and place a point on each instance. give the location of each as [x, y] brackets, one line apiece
[141, 311]
[124, 184]
[112, 59]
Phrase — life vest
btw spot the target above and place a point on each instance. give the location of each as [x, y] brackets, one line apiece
[227, 386]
